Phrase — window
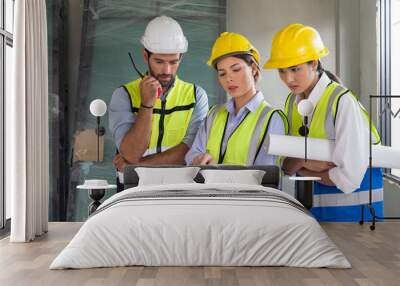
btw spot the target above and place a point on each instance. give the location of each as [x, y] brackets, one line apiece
[88, 59]
[394, 77]
[6, 60]
[389, 75]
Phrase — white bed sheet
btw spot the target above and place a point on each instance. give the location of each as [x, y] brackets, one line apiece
[200, 231]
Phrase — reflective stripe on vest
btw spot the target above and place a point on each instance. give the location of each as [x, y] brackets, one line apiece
[355, 198]
[171, 116]
[241, 148]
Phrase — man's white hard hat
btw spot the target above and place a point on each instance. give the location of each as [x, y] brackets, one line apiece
[163, 35]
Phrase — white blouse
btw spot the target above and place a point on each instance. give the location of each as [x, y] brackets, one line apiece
[351, 133]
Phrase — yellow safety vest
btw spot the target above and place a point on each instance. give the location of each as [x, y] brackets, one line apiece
[171, 117]
[245, 142]
[320, 120]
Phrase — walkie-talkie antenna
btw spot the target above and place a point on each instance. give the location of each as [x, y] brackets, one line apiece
[134, 66]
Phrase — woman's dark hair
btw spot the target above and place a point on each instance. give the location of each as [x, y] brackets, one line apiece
[331, 75]
[249, 60]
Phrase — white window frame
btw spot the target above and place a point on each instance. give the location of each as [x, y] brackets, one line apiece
[386, 113]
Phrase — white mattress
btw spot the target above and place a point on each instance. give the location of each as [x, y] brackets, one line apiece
[185, 230]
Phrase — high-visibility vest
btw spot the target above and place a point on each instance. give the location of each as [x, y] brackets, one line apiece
[246, 140]
[330, 203]
[324, 116]
[171, 116]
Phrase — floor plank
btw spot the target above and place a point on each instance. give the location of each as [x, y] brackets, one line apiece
[374, 255]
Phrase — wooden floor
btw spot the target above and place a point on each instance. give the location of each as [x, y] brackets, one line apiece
[375, 257]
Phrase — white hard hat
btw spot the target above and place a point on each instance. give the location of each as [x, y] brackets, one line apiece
[163, 35]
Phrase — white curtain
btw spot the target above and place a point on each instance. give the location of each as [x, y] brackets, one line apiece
[27, 124]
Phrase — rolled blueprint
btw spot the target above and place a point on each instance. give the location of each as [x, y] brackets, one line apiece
[322, 149]
[385, 157]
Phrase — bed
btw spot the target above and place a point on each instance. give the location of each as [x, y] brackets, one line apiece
[201, 224]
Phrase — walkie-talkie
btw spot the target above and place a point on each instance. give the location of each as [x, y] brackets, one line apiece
[141, 75]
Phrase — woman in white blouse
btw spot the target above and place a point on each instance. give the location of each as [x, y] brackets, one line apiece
[338, 115]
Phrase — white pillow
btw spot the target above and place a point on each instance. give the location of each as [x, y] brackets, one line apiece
[164, 176]
[248, 177]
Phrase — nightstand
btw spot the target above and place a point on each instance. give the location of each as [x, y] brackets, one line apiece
[96, 190]
[304, 191]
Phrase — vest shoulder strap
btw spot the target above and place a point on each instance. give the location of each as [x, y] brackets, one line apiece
[363, 111]
[338, 93]
[130, 98]
[212, 113]
[195, 93]
[269, 115]
[335, 95]
[289, 104]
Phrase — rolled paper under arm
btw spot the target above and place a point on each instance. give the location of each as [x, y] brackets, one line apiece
[385, 157]
[322, 149]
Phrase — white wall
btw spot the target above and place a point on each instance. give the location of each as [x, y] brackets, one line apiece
[347, 27]
[348, 43]
[259, 20]
[357, 46]
[369, 30]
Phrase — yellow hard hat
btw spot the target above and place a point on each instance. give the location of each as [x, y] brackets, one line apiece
[229, 43]
[295, 44]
